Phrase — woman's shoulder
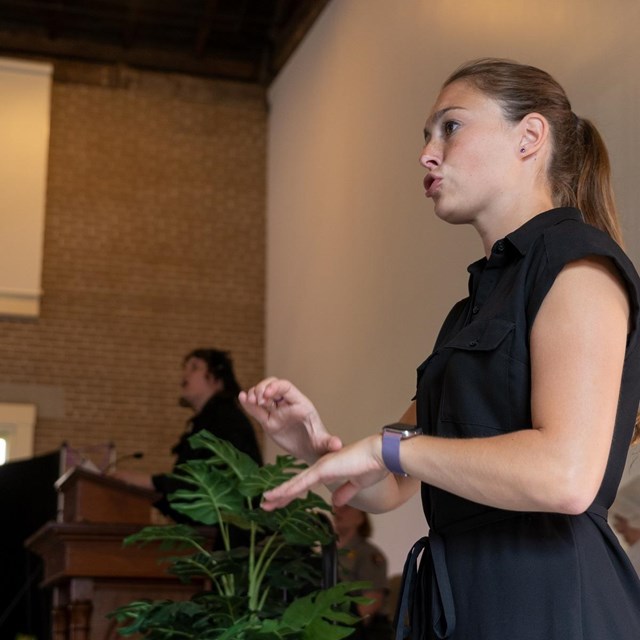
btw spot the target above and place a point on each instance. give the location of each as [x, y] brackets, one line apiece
[573, 240]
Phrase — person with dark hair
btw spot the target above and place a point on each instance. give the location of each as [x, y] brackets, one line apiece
[524, 411]
[209, 388]
[361, 560]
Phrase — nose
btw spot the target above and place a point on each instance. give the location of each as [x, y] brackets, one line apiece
[429, 156]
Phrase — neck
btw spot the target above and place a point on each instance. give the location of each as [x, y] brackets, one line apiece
[199, 404]
[346, 537]
[496, 225]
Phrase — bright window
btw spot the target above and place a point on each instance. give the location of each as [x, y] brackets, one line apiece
[17, 424]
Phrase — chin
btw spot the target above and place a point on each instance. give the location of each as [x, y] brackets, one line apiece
[452, 215]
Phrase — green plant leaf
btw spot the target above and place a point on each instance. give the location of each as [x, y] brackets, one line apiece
[158, 620]
[323, 615]
[271, 475]
[299, 525]
[227, 457]
[296, 569]
[179, 536]
[210, 565]
[211, 493]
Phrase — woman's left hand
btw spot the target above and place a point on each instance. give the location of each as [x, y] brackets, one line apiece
[355, 467]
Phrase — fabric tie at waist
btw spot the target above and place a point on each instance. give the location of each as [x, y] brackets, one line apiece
[410, 614]
[410, 620]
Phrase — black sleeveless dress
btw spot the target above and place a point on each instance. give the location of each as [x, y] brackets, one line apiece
[490, 574]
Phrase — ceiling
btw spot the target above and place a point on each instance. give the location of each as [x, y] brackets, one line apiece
[242, 40]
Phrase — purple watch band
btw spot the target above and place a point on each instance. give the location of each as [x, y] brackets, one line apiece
[391, 452]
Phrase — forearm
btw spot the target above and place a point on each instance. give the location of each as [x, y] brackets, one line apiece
[523, 471]
[386, 495]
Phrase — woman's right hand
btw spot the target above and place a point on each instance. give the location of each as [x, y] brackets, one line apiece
[289, 418]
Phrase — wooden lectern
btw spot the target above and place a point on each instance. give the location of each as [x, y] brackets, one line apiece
[85, 564]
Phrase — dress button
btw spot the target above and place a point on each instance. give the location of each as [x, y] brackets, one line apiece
[499, 247]
[475, 309]
[473, 343]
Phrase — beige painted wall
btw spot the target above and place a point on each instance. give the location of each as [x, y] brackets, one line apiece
[359, 272]
[24, 130]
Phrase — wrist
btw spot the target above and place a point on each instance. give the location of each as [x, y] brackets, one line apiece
[319, 437]
[392, 437]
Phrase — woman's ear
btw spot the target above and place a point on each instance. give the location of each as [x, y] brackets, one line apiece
[534, 133]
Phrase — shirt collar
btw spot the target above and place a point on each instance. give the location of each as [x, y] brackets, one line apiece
[523, 237]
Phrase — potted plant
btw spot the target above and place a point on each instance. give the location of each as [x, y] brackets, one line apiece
[269, 589]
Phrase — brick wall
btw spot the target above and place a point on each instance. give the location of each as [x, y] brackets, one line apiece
[154, 245]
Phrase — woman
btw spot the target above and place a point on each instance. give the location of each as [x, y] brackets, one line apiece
[361, 560]
[527, 404]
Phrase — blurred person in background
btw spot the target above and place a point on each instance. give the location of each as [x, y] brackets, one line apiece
[209, 388]
[359, 559]
[626, 519]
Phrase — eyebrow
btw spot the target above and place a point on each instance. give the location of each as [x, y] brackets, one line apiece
[437, 116]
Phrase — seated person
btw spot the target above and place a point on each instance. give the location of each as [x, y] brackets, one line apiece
[626, 519]
[359, 559]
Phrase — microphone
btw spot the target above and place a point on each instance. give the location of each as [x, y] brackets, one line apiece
[136, 455]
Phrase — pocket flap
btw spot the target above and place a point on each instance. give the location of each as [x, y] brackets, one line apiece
[482, 336]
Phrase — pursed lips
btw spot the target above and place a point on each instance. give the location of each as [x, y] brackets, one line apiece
[431, 184]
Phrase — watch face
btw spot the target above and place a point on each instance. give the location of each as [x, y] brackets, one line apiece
[403, 432]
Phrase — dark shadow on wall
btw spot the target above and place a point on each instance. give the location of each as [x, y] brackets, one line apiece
[27, 501]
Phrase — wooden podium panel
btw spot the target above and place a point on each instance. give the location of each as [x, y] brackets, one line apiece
[92, 497]
[94, 550]
[85, 563]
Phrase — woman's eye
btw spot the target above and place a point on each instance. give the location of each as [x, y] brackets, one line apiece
[449, 127]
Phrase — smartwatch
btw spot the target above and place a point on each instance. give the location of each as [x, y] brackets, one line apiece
[392, 435]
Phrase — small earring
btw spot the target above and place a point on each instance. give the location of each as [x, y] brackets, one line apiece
[522, 149]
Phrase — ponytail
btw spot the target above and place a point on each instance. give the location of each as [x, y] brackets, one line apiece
[594, 193]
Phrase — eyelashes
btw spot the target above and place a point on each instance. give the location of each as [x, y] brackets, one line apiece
[449, 127]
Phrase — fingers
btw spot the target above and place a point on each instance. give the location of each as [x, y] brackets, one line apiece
[269, 393]
[252, 408]
[282, 495]
[343, 494]
[260, 400]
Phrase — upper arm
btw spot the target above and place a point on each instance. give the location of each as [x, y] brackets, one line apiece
[410, 416]
[578, 345]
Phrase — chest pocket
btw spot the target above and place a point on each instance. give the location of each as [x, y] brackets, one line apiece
[480, 380]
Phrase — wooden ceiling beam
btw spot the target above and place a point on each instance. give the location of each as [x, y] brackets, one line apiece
[206, 26]
[159, 59]
[287, 37]
[131, 23]
[249, 40]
